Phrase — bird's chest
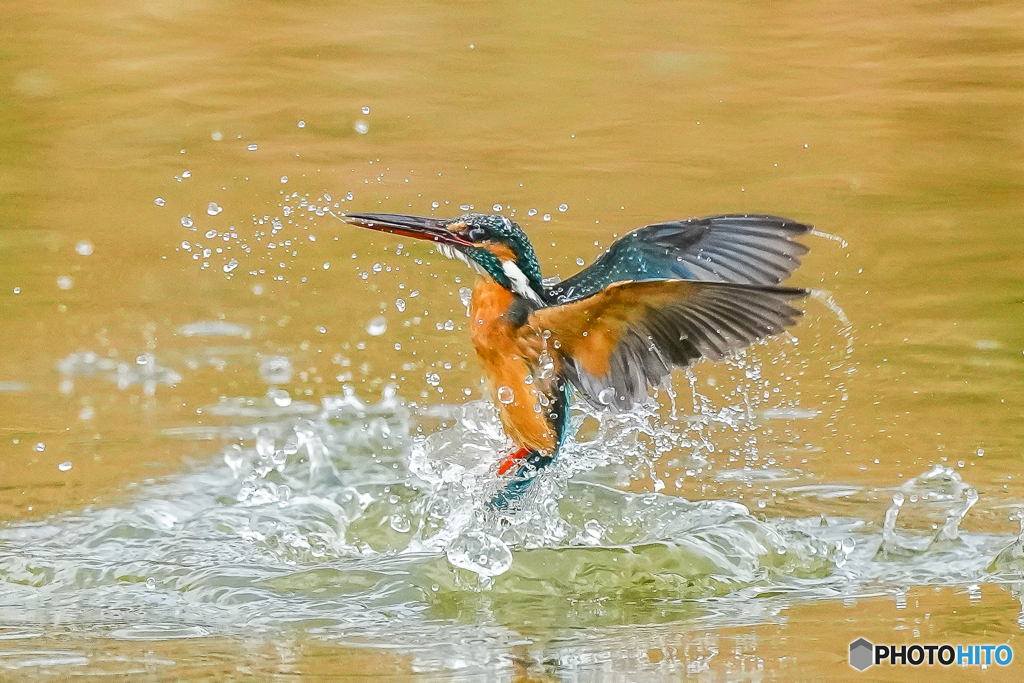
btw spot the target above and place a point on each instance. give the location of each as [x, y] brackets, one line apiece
[517, 380]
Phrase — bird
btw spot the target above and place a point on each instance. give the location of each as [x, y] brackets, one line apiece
[661, 297]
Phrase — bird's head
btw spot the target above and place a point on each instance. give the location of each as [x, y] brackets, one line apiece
[490, 243]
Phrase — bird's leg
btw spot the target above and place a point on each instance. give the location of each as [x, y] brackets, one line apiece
[520, 464]
[513, 459]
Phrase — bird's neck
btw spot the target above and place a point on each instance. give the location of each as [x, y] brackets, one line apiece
[519, 274]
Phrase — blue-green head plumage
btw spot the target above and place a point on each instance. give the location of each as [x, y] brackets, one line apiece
[490, 232]
[491, 243]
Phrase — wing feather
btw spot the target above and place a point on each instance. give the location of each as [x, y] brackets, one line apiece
[745, 249]
[617, 344]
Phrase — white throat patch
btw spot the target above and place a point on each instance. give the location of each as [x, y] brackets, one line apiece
[453, 253]
[520, 283]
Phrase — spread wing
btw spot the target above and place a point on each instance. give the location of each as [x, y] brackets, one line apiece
[757, 250]
[628, 337]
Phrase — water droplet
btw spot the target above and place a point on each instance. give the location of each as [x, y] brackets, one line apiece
[322, 329]
[496, 207]
[186, 174]
[280, 397]
[213, 209]
[349, 196]
[284, 179]
[151, 583]
[186, 222]
[283, 491]
[17, 290]
[400, 304]
[433, 379]
[210, 234]
[275, 369]
[531, 212]
[39, 447]
[377, 267]
[563, 207]
[480, 553]
[434, 205]
[547, 216]
[302, 124]
[64, 466]
[362, 127]
[84, 247]
[606, 396]
[377, 326]
[400, 523]
[159, 201]
[230, 265]
[216, 136]
[365, 110]
[449, 325]
[506, 395]
[65, 282]
[252, 147]
[580, 261]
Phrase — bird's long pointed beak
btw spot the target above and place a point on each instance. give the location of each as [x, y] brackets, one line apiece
[419, 227]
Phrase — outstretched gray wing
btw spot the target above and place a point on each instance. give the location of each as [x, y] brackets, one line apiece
[744, 249]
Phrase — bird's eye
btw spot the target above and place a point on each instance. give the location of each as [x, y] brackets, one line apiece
[477, 234]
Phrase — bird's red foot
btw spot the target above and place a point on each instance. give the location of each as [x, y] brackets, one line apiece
[513, 459]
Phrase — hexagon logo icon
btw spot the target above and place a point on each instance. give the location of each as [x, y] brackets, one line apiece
[861, 654]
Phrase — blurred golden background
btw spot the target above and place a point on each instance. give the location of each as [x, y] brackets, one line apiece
[896, 127]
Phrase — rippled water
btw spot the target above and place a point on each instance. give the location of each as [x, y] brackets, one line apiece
[240, 440]
[338, 521]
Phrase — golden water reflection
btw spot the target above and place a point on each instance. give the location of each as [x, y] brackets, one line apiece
[894, 126]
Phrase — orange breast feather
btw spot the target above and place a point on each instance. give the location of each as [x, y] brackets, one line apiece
[509, 356]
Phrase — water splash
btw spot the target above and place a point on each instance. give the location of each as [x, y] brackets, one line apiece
[1010, 560]
[846, 329]
[336, 517]
[145, 371]
[939, 494]
[214, 328]
[835, 238]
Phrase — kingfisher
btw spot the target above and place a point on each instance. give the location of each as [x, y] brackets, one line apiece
[661, 297]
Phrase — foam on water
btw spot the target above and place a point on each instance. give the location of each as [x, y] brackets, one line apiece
[334, 519]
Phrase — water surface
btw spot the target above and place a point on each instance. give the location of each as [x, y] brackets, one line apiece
[273, 460]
